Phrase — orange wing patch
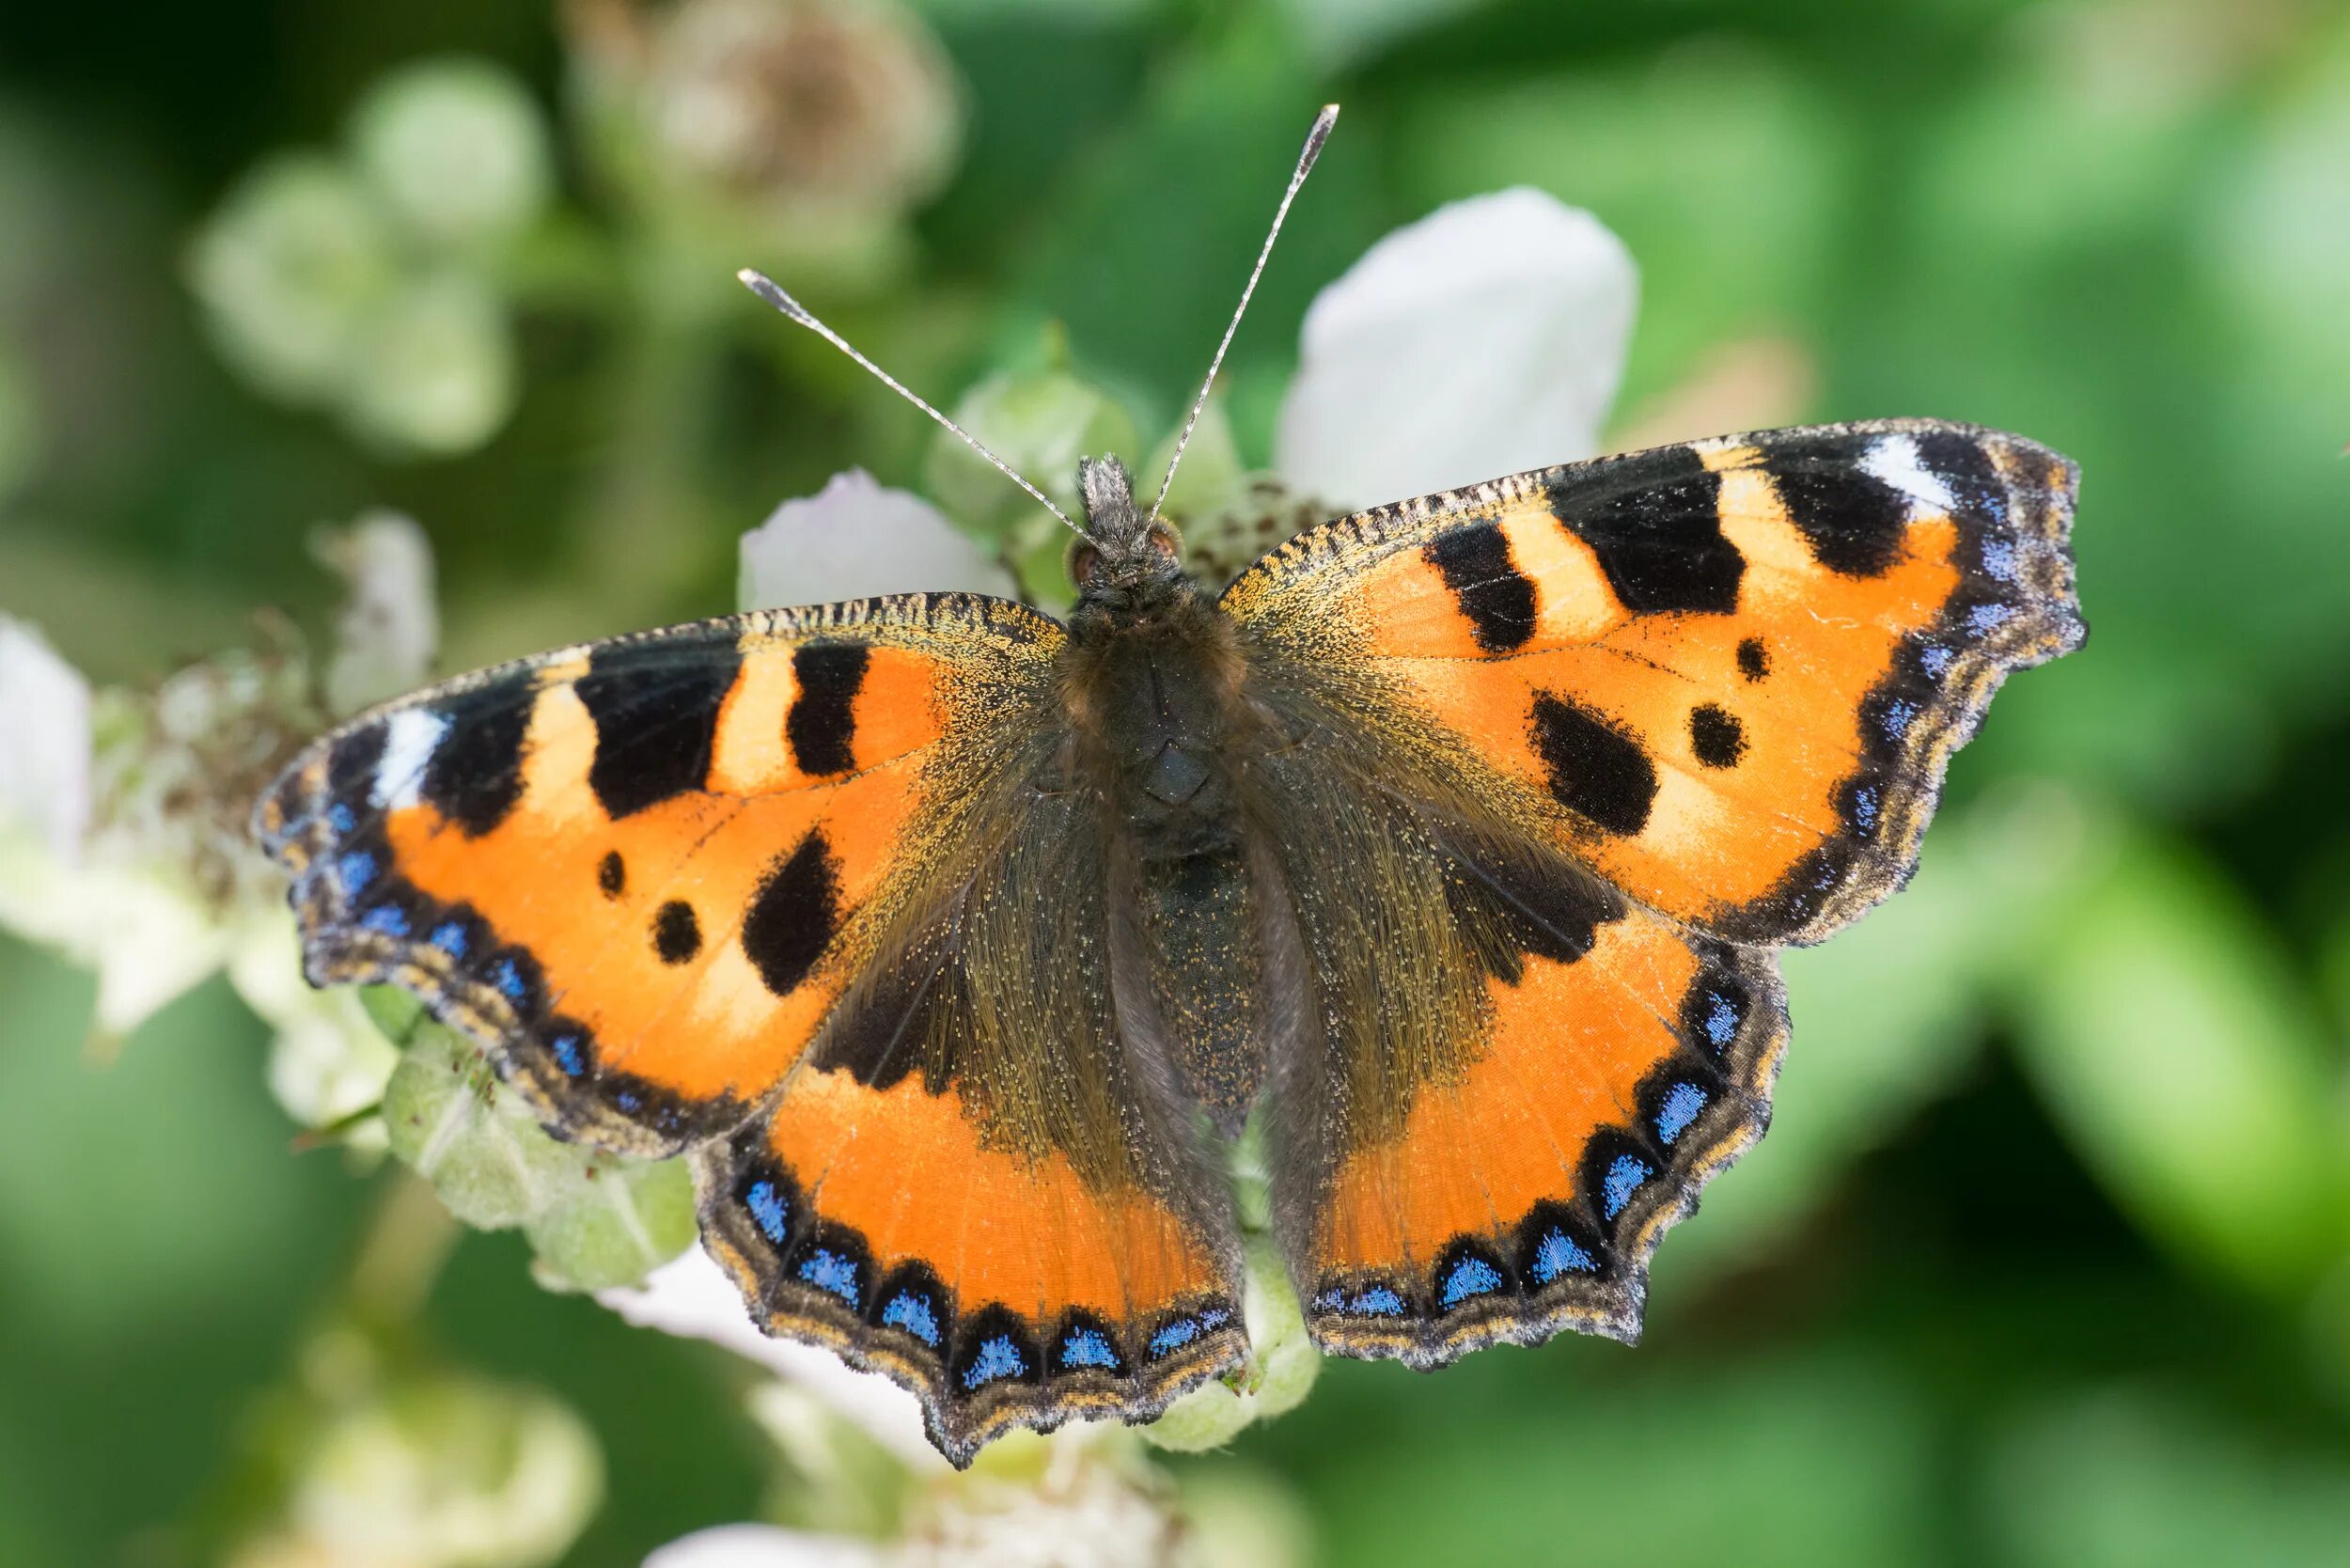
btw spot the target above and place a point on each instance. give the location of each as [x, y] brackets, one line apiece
[1727, 676]
[995, 1282]
[640, 874]
[1524, 1194]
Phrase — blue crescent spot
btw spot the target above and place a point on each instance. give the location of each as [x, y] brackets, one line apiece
[767, 1210]
[1721, 1020]
[1864, 810]
[1988, 617]
[451, 938]
[1998, 558]
[912, 1313]
[628, 1099]
[1623, 1179]
[1329, 1301]
[1378, 1302]
[338, 816]
[999, 1359]
[1471, 1277]
[1683, 1103]
[568, 1055]
[1214, 1317]
[1935, 659]
[1174, 1336]
[1557, 1255]
[829, 1270]
[354, 871]
[509, 979]
[387, 919]
[1898, 716]
[1088, 1347]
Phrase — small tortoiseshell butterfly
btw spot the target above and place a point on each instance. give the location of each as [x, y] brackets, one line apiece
[1452, 839]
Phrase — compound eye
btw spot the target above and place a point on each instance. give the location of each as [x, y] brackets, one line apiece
[1084, 564]
[1162, 538]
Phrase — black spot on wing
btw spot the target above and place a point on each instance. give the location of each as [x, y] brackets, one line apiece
[1852, 521]
[351, 766]
[612, 874]
[1754, 660]
[475, 774]
[1493, 593]
[676, 934]
[827, 677]
[656, 714]
[1508, 903]
[795, 915]
[1595, 769]
[1654, 522]
[1715, 736]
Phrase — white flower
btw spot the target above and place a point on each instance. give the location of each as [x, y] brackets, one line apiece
[692, 1297]
[44, 767]
[1487, 339]
[390, 627]
[123, 819]
[855, 539]
[766, 1546]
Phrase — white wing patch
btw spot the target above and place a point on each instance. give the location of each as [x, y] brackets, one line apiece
[1895, 459]
[410, 738]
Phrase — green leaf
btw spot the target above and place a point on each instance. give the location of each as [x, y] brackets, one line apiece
[595, 1220]
[1039, 424]
[624, 1220]
[2131, 1479]
[2172, 1042]
[478, 1143]
[399, 1013]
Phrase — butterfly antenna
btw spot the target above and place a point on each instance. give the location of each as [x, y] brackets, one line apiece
[769, 289]
[1314, 138]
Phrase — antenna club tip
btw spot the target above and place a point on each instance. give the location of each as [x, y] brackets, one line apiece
[749, 277]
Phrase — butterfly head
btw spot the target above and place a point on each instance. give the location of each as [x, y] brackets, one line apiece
[1127, 560]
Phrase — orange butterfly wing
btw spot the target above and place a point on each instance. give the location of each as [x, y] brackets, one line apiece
[1729, 674]
[657, 877]
[1693, 702]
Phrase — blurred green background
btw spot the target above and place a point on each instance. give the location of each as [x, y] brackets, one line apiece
[2048, 1256]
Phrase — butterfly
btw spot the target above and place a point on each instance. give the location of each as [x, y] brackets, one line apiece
[1449, 843]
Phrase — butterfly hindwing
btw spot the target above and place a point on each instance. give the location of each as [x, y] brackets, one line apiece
[1730, 673]
[961, 1187]
[783, 888]
[1506, 1078]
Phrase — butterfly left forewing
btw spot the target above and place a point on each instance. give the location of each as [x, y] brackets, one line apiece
[639, 873]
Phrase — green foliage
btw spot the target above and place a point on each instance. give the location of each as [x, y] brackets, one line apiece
[595, 1220]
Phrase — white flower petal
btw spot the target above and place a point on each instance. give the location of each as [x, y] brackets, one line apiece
[765, 1546]
[1484, 340]
[693, 1298]
[389, 628]
[855, 539]
[329, 1060]
[44, 741]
